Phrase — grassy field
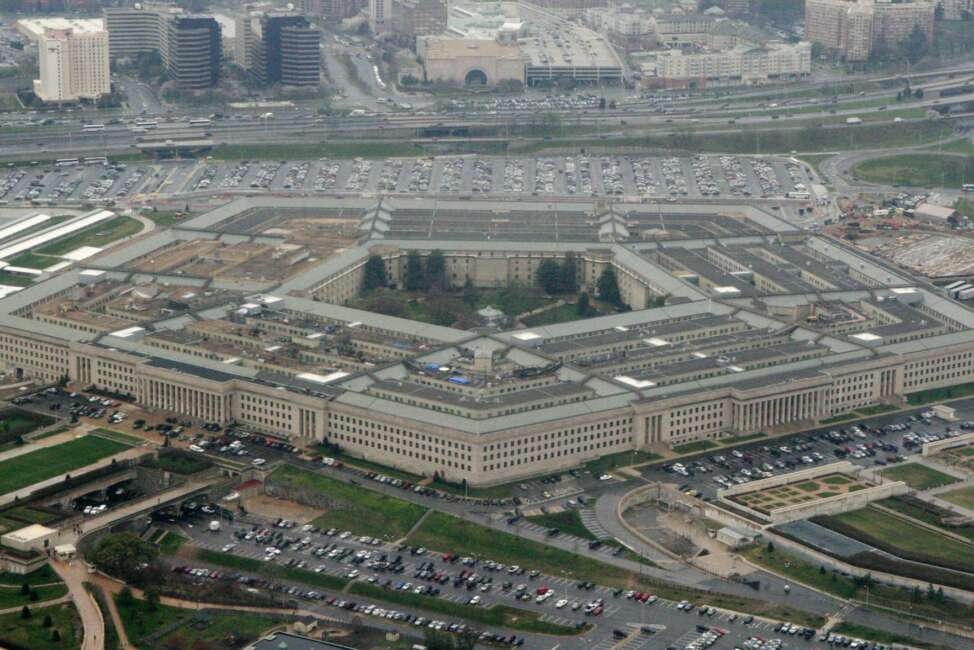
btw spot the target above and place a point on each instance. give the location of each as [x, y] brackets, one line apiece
[270, 570]
[501, 615]
[940, 394]
[42, 464]
[33, 261]
[363, 512]
[99, 235]
[902, 538]
[222, 631]
[41, 576]
[164, 218]
[14, 279]
[11, 596]
[694, 447]
[917, 476]
[118, 436]
[620, 459]
[32, 633]
[567, 521]
[171, 542]
[882, 636]
[179, 462]
[140, 622]
[963, 497]
[445, 533]
[313, 151]
[15, 422]
[920, 170]
[910, 509]
[896, 598]
[560, 314]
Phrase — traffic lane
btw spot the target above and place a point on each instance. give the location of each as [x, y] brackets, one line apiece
[703, 480]
[619, 611]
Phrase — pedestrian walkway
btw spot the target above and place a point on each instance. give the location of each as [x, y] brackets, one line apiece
[591, 522]
[74, 576]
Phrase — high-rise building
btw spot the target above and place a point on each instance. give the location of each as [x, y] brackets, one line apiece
[190, 46]
[858, 28]
[290, 51]
[72, 59]
[380, 12]
[412, 18]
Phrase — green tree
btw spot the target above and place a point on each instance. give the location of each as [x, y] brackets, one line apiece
[582, 307]
[124, 556]
[549, 276]
[125, 597]
[770, 546]
[55, 636]
[569, 273]
[48, 621]
[374, 276]
[25, 612]
[436, 269]
[470, 293]
[34, 596]
[608, 286]
[25, 589]
[415, 278]
[918, 93]
[915, 46]
[152, 599]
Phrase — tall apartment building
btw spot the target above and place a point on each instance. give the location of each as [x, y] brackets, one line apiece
[858, 28]
[72, 57]
[380, 13]
[955, 9]
[412, 18]
[190, 46]
[744, 64]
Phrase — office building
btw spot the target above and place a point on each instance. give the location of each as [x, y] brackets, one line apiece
[740, 65]
[279, 49]
[412, 18]
[72, 58]
[857, 29]
[380, 12]
[191, 47]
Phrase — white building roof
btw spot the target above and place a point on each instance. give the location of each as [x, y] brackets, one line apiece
[28, 534]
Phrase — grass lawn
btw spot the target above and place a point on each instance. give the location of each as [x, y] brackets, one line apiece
[9, 102]
[42, 464]
[15, 279]
[909, 508]
[99, 235]
[11, 596]
[940, 394]
[180, 462]
[171, 542]
[917, 476]
[368, 465]
[139, 622]
[500, 616]
[29, 514]
[960, 145]
[965, 207]
[41, 576]
[694, 447]
[567, 521]
[445, 533]
[118, 436]
[876, 409]
[963, 497]
[560, 314]
[271, 570]
[361, 511]
[33, 261]
[923, 170]
[903, 539]
[222, 631]
[32, 633]
[164, 218]
[15, 422]
[816, 159]
[733, 440]
[496, 492]
[812, 575]
[882, 636]
[312, 151]
[620, 459]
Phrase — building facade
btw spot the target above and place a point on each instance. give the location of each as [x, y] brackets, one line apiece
[288, 51]
[741, 65]
[73, 65]
[414, 18]
[856, 29]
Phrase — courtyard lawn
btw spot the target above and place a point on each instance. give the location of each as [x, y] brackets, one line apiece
[34, 261]
[560, 314]
[963, 497]
[15, 422]
[11, 596]
[567, 521]
[139, 621]
[917, 476]
[903, 539]
[179, 462]
[44, 575]
[32, 634]
[361, 511]
[42, 464]
[100, 235]
[15, 279]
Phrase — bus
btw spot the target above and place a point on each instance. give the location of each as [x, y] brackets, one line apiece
[96, 160]
[201, 121]
[799, 195]
[92, 128]
[968, 187]
[65, 162]
[146, 124]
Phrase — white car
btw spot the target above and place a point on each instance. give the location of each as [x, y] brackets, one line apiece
[196, 448]
[561, 603]
[259, 461]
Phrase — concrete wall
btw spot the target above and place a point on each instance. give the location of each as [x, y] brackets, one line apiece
[931, 448]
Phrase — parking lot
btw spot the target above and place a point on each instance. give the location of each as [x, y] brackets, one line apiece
[667, 178]
[635, 620]
[878, 441]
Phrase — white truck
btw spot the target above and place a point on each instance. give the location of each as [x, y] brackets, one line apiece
[214, 526]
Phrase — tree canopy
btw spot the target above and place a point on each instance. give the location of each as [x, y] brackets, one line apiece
[375, 274]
